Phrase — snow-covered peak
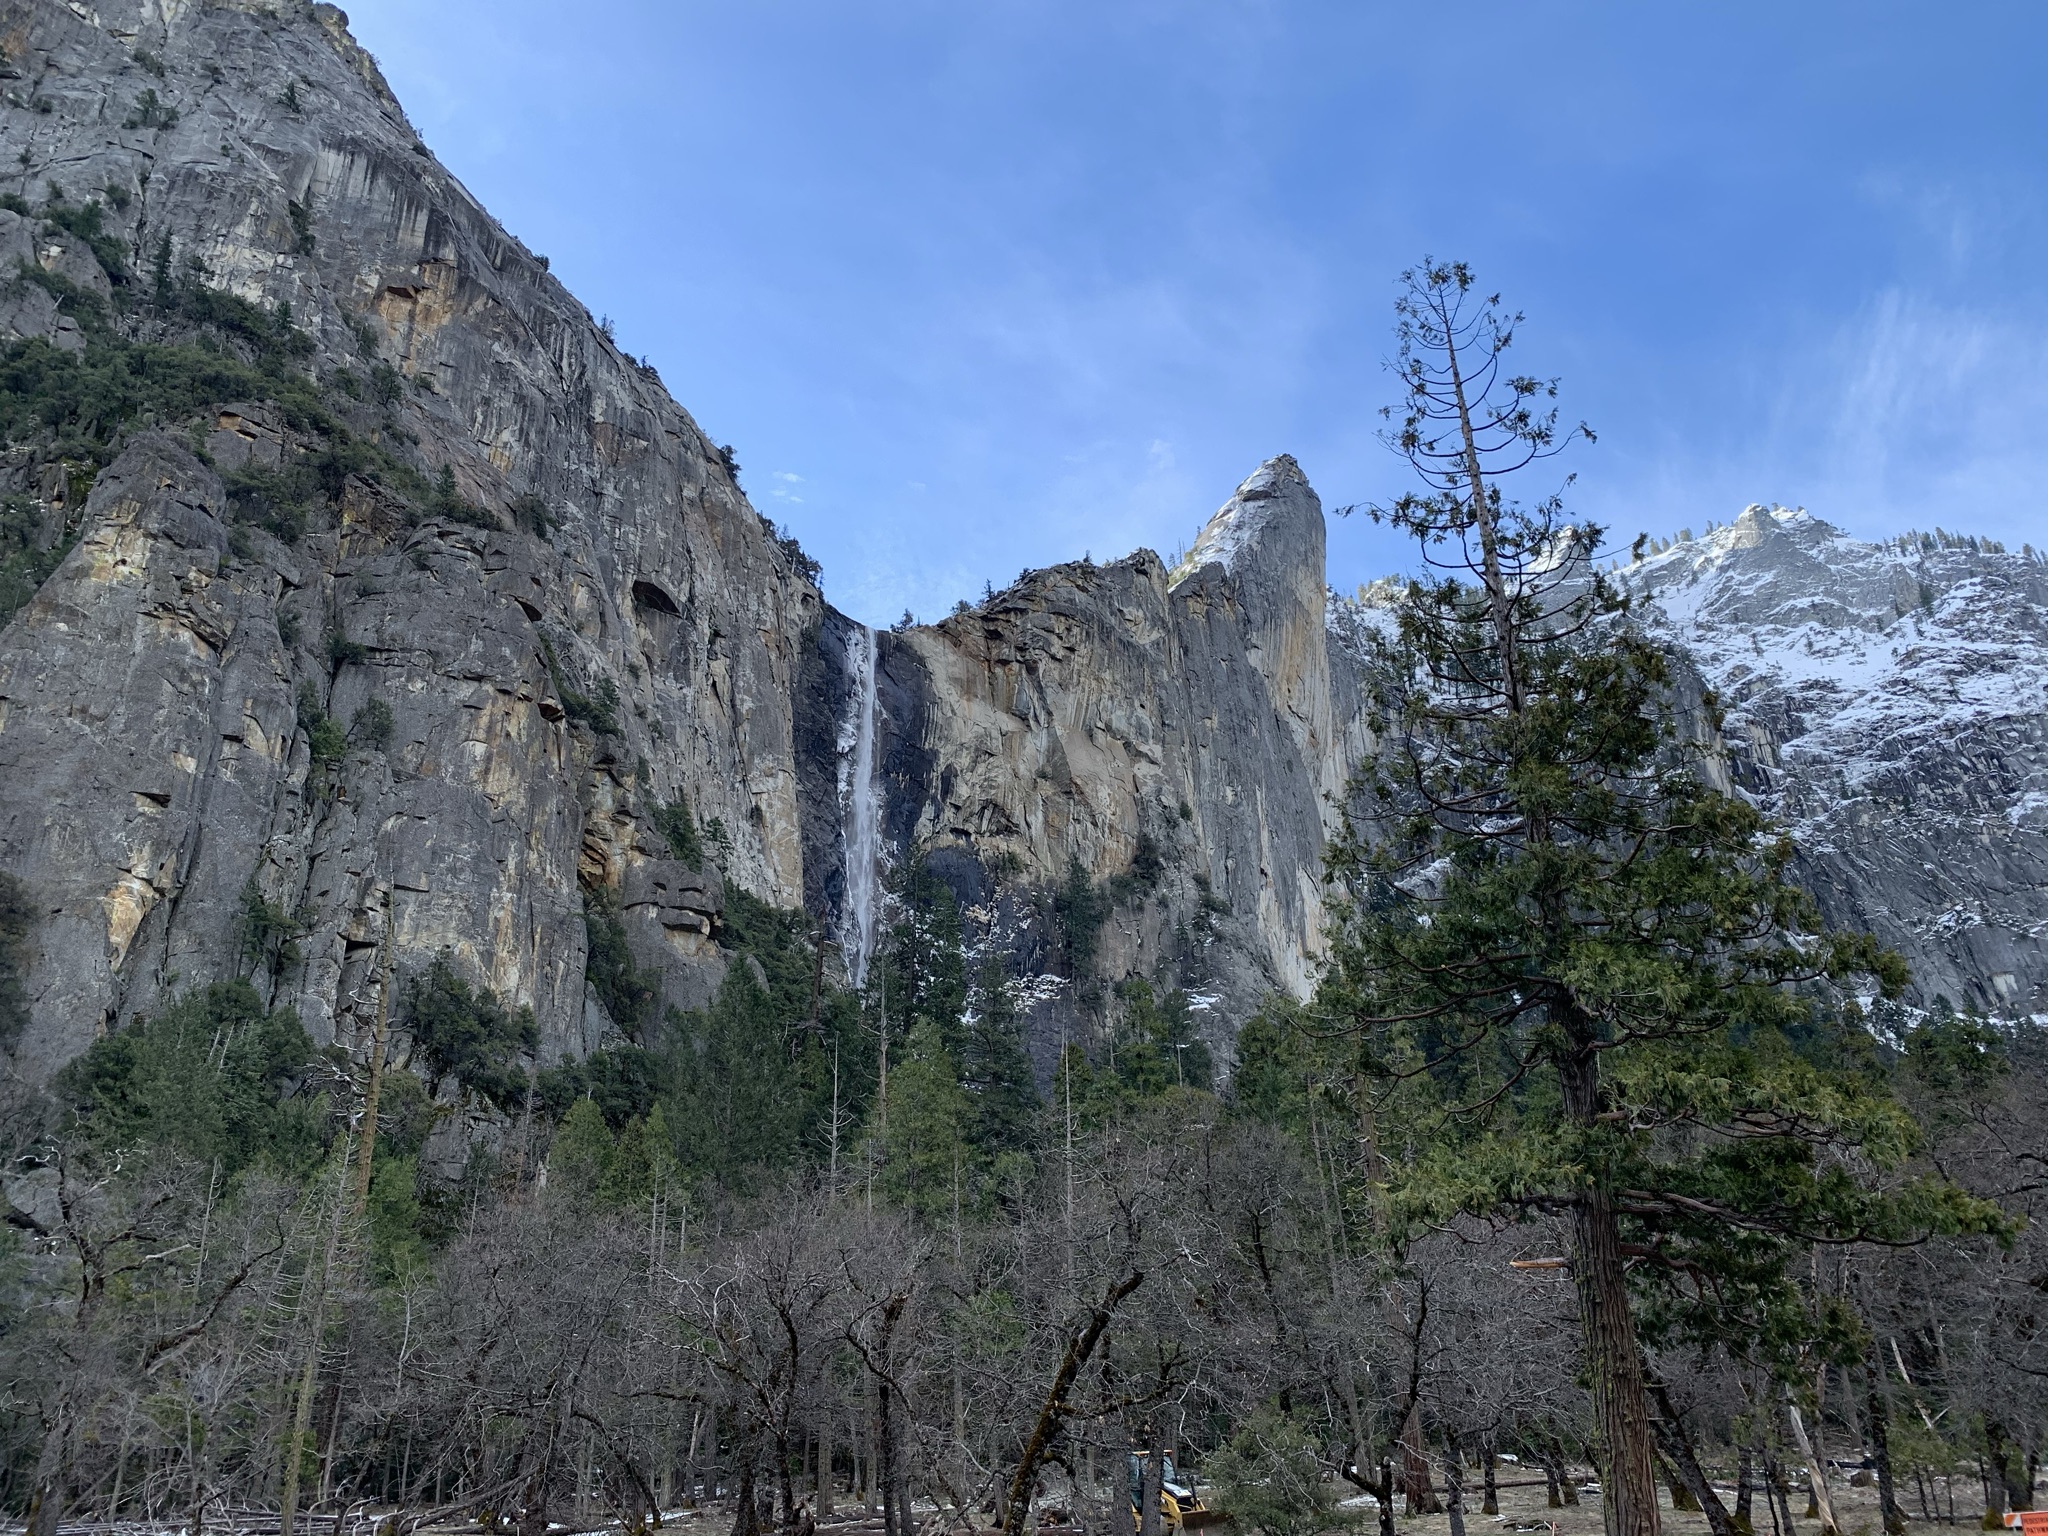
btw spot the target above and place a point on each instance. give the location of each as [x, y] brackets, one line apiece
[1275, 499]
[1889, 703]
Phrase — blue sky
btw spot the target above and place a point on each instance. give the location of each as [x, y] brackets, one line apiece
[975, 285]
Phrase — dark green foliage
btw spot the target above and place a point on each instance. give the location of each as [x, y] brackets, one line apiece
[1274, 1061]
[632, 997]
[725, 1094]
[739, 1104]
[387, 384]
[1156, 1047]
[301, 215]
[466, 1033]
[214, 347]
[752, 1075]
[963, 1107]
[924, 954]
[326, 741]
[398, 1220]
[342, 651]
[150, 62]
[1577, 977]
[530, 514]
[285, 501]
[1270, 1478]
[372, 725]
[150, 112]
[268, 932]
[232, 350]
[24, 564]
[449, 504]
[624, 1081]
[89, 225]
[17, 916]
[680, 828]
[214, 1076]
[1148, 867]
[77, 406]
[599, 710]
[1080, 910]
[994, 1068]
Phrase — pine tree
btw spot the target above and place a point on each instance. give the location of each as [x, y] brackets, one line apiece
[995, 1070]
[581, 1155]
[1576, 973]
[930, 1163]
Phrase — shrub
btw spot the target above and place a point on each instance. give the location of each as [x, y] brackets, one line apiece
[23, 566]
[1271, 1478]
[372, 725]
[630, 995]
[1080, 910]
[341, 650]
[326, 741]
[267, 932]
[448, 503]
[214, 1076]
[466, 1033]
[530, 514]
[623, 1081]
[87, 223]
[599, 710]
[150, 112]
[680, 828]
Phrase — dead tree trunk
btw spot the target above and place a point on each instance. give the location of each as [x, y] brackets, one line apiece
[1151, 1477]
[1052, 1413]
[1878, 1411]
[1684, 1465]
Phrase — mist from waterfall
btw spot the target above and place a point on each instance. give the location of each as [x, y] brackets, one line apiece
[860, 800]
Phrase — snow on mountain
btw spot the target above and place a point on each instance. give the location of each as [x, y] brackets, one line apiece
[1889, 703]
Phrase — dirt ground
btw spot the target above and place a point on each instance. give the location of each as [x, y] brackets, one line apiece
[1524, 1509]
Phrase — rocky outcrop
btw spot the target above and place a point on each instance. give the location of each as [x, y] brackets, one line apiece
[154, 753]
[440, 724]
[1889, 704]
[1170, 732]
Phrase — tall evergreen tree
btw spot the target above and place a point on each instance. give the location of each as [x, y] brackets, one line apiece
[995, 1069]
[1578, 976]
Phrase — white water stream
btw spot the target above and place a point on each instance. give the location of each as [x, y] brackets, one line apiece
[860, 800]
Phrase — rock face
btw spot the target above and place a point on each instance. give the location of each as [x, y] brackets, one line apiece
[153, 767]
[423, 730]
[1889, 704]
[1170, 734]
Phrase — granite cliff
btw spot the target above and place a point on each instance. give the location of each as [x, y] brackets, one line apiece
[407, 624]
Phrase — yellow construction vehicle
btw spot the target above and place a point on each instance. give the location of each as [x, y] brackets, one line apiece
[1180, 1507]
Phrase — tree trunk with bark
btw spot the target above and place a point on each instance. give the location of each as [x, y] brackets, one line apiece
[1053, 1411]
[1684, 1465]
[1621, 1410]
[1878, 1411]
[1817, 1483]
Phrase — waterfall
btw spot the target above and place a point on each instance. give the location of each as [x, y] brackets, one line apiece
[860, 800]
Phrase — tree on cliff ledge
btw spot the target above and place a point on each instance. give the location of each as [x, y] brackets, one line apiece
[1578, 979]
